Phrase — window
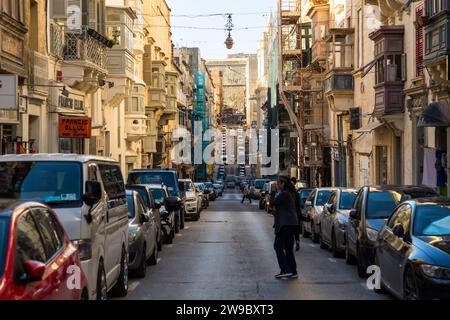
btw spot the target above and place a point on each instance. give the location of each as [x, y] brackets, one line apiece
[159, 195]
[112, 181]
[50, 231]
[380, 204]
[381, 165]
[14, 9]
[322, 197]
[419, 44]
[29, 245]
[432, 221]
[401, 216]
[360, 38]
[347, 199]
[4, 227]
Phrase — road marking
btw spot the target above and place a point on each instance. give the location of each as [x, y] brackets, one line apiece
[133, 285]
[169, 246]
[332, 260]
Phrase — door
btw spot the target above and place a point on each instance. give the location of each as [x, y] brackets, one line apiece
[53, 240]
[116, 219]
[353, 223]
[30, 246]
[394, 249]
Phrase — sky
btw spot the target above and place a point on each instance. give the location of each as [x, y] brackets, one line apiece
[248, 13]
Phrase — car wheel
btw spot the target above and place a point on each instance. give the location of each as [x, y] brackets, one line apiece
[410, 288]
[142, 269]
[362, 269]
[349, 259]
[170, 236]
[177, 224]
[102, 288]
[323, 245]
[121, 287]
[153, 260]
[183, 216]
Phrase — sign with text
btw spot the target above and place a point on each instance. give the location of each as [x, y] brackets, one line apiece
[8, 92]
[75, 127]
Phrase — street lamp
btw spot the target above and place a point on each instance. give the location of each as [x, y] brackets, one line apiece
[229, 42]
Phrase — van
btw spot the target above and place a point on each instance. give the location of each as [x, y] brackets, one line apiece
[88, 195]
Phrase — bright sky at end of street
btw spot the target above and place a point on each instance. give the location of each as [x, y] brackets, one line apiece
[188, 27]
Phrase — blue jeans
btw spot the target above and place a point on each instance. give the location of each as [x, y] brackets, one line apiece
[284, 248]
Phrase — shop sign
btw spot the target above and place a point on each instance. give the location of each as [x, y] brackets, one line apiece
[8, 92]
[70, 103]
[75, 127]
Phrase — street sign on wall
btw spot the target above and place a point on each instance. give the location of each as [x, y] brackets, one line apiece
[75, 127]
[8, 92]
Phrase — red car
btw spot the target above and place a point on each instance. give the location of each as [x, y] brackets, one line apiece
[37, 259]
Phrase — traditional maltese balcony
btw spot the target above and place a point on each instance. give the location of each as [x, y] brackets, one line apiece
[338, 84]
[84, 55]
[135, 117]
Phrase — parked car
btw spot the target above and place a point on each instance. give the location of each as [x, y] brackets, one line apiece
[334, 218]
[212, 194]
[193, 204]
[218, 189]
[303, 194]
[142, 235]
[313, 210]
[231, 181]
[161, 194]
[201, 191]
[150, 205]
[262, 198]
[370, 211]
[222, 184]
[259, 184]
[88, 194]
[168, 178]
[37, 258]
[413, 250]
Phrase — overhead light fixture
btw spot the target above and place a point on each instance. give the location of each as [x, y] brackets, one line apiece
[229, 42]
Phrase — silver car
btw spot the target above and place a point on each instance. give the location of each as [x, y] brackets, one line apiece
[334, 219]
[313, 210]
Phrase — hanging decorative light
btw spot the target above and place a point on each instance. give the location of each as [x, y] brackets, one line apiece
[229, 42]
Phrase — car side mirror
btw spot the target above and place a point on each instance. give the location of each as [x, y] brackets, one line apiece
[173, 203]
[398, 230]
[354, 214]
[93, 193]
[34, 270]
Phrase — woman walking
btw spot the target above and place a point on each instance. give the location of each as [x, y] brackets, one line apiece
[286, 224]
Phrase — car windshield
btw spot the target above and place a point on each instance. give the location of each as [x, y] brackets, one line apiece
[259, 184]
[200, 186]
[380, 204]
[4, 224]
[217, 186]
[432, 221]
[155, 178]
[322, 197]
[189, 186]
[347, 199]
[52, 183]
[158, 195]
[130, 201]
[208, 186]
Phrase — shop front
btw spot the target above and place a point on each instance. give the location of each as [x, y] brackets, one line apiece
[73, 132]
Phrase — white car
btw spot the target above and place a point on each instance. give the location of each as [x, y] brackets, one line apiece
[193, 204]
[88, 195]
[313, 210]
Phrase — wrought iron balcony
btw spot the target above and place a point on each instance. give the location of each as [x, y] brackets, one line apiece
[82, 45]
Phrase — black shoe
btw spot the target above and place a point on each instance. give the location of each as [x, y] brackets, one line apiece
[297, 246]
[282, 275]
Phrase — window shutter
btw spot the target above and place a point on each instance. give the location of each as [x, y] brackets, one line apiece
[404, 75]
[74, 17]
[58, 9]
[419, 43]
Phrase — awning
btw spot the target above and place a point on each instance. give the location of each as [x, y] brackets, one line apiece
[371, 126]
[437, 114]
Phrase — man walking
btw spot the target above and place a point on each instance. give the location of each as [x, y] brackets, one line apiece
[246, 195]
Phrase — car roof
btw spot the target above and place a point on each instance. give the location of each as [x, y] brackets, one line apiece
[431, 201]
[8, 206]
[54, 157]
[399, 188]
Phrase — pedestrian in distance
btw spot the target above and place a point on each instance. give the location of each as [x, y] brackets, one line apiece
[246, 195]
[298, 209]
[286, 224]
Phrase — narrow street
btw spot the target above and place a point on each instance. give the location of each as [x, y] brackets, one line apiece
[228, 254]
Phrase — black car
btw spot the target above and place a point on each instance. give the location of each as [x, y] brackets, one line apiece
[161, 194]
[413, 250]
[170, 179]
[372, 208]
[212, 193]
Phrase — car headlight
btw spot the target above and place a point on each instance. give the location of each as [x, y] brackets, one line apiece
[372, 234]
[435, 272]
[84, 248]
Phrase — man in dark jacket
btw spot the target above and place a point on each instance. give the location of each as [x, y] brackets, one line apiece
[298, 209]
[285, 225]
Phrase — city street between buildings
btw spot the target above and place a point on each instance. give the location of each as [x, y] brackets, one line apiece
[229, 255]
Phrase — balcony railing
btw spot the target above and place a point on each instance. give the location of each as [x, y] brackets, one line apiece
[79, 45]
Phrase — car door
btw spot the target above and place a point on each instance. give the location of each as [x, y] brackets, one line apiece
[29, 246]
[394, 249]
[116, 219]
[155, 213]
[327, 217]
[353, 222]
[57, 260]
[147, 228]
